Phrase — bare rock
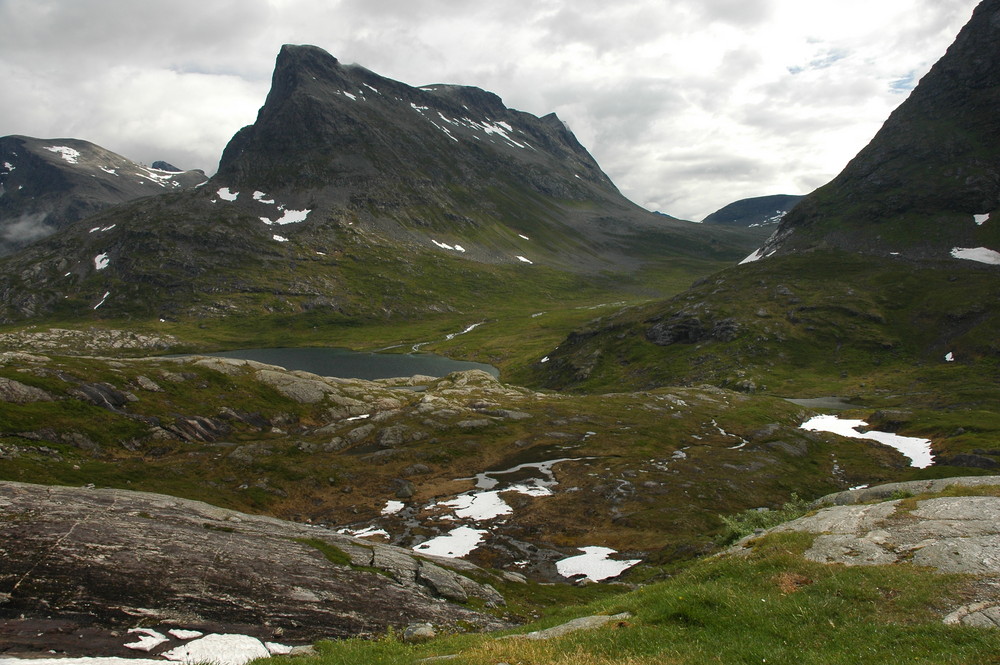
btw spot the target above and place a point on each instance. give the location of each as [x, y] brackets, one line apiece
[19, 393]
[126, 554]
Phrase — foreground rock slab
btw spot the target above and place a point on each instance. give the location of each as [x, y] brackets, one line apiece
[115, 558]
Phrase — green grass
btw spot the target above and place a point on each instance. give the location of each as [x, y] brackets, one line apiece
[772, 607]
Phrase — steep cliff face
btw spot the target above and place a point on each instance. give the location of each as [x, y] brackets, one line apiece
[48, 184]
[928, 180]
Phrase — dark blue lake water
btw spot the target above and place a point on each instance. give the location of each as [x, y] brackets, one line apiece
[347, 364]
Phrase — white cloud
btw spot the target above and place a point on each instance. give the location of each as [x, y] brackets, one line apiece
[687, 105]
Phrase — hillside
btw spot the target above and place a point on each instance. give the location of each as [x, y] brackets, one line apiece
[753, 212]
[929, 179]
[49, 184]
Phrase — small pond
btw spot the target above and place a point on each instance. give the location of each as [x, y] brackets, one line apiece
[347, 364]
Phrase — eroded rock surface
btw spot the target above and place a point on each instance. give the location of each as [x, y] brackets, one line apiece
[110, 557]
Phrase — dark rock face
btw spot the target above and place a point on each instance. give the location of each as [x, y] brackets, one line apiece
[757, 211]
[934, 164]
[109, 558]
[683, 328]
[48, 184]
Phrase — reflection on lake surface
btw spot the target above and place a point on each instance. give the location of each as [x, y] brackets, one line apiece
[347, 364]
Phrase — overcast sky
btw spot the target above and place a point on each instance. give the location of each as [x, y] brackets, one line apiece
[687, 104]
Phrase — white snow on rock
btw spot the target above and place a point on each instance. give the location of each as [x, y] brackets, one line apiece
[367, 531]
[375, 90]
[262, 197]
[350, 96]
[915, 448]
[105, 660]
[182, 634]
[454, 544]
[279, 238]
[459, 248]
[594, 564]
[392, 507]
[108, 170]
[219, 650]
[949, 357]
[980, 254]
[106, 294]
[523, 236]
[70, 155]
[523, 259]
[102, 228]
[8, 166]
[148, 640]
[227, 195]
[288, 217]
[101, 261]
[755, 256]
[980, 219]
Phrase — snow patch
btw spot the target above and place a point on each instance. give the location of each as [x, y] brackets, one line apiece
[949, 357]
[8, 166]
[479, 506]
[367, 531]
[980, 219]
[227, 195]
[375, 90]
[219, 649]
[107, 170]
[288, 217]
[755, 256]
[182, 634]
[148, 640]
[392, 507]
[106, 294]
[350, 96]
[523, 260]
[980, 254]
[594, 564]
[279, 238]
[101, 261]
[262, 197]
[454, 544]
[917, 449]
[523, 236]
[70, 155]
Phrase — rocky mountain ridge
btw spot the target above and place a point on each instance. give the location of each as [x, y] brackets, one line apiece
[754, 212]
[346, 172]
[49, 184]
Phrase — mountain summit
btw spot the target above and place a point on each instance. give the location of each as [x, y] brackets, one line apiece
[927, 181]
[360, 194]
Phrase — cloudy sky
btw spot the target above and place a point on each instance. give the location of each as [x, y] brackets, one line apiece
[686, 104]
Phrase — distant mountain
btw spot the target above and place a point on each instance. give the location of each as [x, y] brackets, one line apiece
[47, 184]
[353, 192]
[927, 182]
[754, 212]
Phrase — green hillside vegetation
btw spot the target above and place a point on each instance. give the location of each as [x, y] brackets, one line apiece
[773, 606]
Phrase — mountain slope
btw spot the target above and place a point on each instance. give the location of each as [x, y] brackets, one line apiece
[47, 184]
[929, 178]
[356, 194]
[757, 211]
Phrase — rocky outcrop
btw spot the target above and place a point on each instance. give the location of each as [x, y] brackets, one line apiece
[952, 534]
[113, 557]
